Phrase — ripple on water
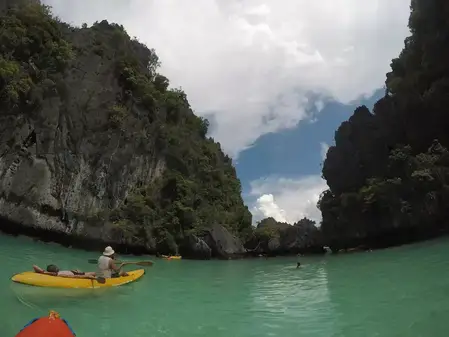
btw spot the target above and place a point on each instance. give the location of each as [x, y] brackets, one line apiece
[390, 293]
[288, 296]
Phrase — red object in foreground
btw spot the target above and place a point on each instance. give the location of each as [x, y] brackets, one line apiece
[50, 326]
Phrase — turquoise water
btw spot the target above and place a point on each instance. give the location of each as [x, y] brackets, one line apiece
[396, 292]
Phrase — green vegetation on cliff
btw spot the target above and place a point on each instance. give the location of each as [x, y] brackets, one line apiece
[199, 186]
[388, 173]
[280, 238]
[195, 187]
[33, 56]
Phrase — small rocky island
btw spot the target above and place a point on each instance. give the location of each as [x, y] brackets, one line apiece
[272, 238]
[96, 149]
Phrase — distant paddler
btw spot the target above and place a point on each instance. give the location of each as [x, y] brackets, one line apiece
[298, 264]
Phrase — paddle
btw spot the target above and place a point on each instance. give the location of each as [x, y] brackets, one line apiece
[138, 263]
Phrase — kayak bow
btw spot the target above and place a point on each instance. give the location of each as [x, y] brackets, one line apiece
[50, 326]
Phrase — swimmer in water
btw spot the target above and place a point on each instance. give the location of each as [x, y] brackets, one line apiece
[298, 264]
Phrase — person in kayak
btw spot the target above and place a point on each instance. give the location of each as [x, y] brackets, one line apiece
[54, 270]
[107, 267]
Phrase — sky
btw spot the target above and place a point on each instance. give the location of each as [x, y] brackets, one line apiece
[275, 78]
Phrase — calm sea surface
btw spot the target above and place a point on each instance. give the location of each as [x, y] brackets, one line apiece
[395, 292]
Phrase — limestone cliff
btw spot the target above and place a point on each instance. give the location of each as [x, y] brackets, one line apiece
[94, 144]
[388, 172]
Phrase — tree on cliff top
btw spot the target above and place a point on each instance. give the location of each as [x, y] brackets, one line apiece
[387, 172]
[198, 186]
[268, 229]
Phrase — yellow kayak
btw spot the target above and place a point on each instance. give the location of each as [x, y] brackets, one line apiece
[175, 257]
[41, 280]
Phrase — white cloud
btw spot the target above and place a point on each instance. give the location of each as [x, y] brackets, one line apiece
[251, 63]
[267, 207]
[287, 200]
[324, 148]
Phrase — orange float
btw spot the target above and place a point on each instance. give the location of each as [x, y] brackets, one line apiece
[50, 326]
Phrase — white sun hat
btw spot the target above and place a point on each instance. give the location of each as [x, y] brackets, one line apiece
[108, 251]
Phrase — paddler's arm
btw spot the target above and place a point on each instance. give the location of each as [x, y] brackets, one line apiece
[114, 267]
[41, 271]
[38, 269]
[117, 269]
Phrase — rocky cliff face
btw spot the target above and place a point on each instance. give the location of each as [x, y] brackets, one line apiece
[388, 172]
[93, 144]
[65, 164]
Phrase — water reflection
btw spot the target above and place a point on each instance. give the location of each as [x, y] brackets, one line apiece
[296, 299]
[393, 292]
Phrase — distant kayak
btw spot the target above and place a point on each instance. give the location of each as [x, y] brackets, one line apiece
[50, 326]
[42, 280]
[174, 257]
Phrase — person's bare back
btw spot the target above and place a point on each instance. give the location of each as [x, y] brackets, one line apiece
[54, 271]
